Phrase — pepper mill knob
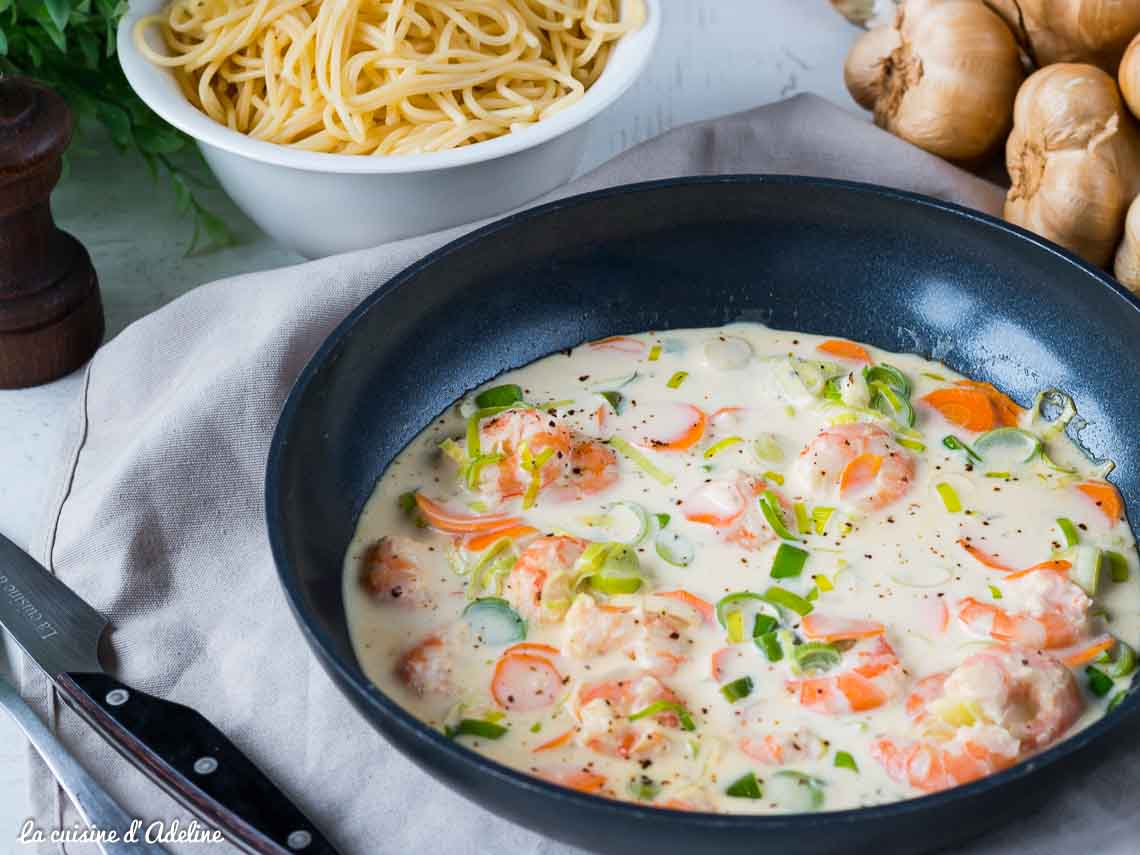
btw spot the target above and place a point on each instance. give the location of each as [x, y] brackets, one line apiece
[51, 314]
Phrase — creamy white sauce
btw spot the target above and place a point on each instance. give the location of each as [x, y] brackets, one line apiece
[900, 565]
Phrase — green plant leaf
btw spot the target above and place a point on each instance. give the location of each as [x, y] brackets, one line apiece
[116, 120]
[60, 11]
[3, 44]
[159, 139]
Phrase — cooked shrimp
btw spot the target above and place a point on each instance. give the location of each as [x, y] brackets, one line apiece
[982, 717]
[505, 434]
[426, 668]
[392, 568]
[652, 635]
[1056, 612]
[859, 463]
[593, 467]
[538, 585]
[777, 748]
[730, 506]
[868, 676]
[603, 711]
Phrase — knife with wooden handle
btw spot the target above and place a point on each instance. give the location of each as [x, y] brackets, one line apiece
[172, 744]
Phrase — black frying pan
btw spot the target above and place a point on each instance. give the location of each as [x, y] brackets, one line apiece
[897, 270]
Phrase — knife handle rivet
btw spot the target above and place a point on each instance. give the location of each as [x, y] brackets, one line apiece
[117, 697]
[205, 765]
[298, 839]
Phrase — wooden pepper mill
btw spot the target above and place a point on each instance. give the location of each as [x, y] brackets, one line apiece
[51, 314]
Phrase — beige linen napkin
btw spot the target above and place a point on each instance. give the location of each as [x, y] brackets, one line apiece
[159, 520]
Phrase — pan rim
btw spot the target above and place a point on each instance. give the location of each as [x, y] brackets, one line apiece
[352, 682]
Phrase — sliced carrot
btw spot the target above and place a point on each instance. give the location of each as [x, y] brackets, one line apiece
[583, 781]
[441, 518]
[984, 557]
[968, 408]
[1056, 566]
[481, 541]
[620, 343]
[844, 349]
[1007, 411]
[525, 682]
[691, 435]
[704, 607]
[860, 472]
[600, 416]
[555, 742]
[1106, 497]
[824, 628]
[1090, 651]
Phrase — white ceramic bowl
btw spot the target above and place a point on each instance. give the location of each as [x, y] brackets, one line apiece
[320, 204]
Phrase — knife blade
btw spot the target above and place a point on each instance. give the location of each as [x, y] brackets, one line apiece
[172, 744]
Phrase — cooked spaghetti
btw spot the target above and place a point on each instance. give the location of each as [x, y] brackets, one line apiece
[385, 76]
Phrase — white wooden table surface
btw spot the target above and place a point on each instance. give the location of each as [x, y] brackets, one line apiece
[714, 57]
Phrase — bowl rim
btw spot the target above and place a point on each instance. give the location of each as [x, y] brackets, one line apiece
[373, 702]
[156, 87]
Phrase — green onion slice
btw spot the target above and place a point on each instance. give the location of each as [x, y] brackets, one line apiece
[494, 621]
[1117, 565]
[1100, 684]
[646, 465]
[611, 568]
[1123, 661]
[640, 521]
[774, 477]
[769, 642]
[788, 562]
[674, 548]
[803, 519]
[767, 448]
[737, 690]
[949, 497]
[763, 624]
[806, 786]
[1068, 530]
[912, 444]
[1007, 443]
[785, 599]
[475, 727]
[716, 448]
[745, 787]
[844, 760]
[655, 353]
[955, 444]
[817, 656]
[774, 514]
[995, 591]
[889, 376]
[1115, 700]
[677, 379]
[820, 516]
[1087, 562]
[643, 788]
[499, 396]
[725, 605]
[662, 520]
[407, 501]
[666, 706]
[615, 400]
[891, 404]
